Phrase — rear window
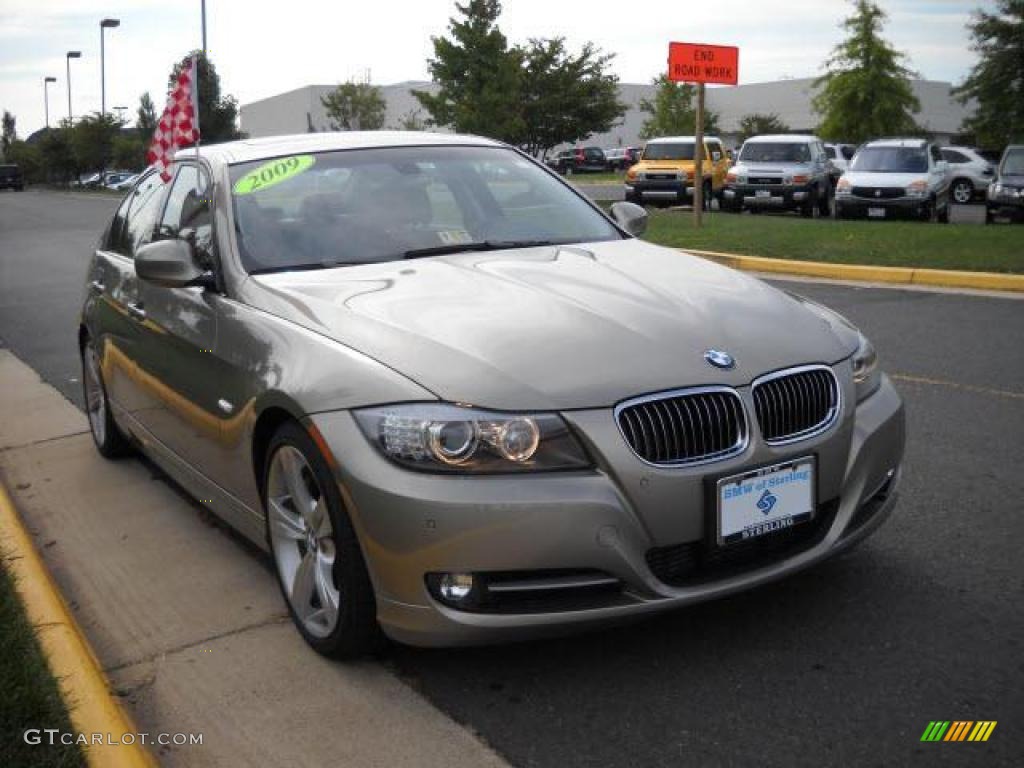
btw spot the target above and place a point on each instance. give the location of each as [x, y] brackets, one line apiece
[891, 160]
[775, 152]
[667, 151]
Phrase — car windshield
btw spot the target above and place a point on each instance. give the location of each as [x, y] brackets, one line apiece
[329, 209]
[1013, 163]
[775, 152]
[666, 151]
[891, 160]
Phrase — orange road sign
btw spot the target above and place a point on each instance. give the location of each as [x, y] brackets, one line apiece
[698, 63]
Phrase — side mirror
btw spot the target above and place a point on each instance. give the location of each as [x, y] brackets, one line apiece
[169, 263]
[631, 217]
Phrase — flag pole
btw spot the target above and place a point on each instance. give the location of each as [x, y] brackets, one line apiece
[195, 117]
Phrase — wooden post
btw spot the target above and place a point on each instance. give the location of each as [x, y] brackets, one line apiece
[698, 165]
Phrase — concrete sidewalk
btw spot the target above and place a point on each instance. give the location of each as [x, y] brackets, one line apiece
[187, 620]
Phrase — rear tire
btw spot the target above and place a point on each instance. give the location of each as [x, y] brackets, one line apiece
[825, 203]
[962, 191]
[319, 563]
[943, 216]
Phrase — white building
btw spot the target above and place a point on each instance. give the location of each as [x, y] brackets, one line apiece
[300, 110]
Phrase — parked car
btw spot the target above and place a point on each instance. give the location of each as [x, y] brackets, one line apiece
[665, 173]
[121, 182]
[895, 177]
[410, 405]
[1005, 195]
[970, 173]
[780, 172]
[839, 155]
[621, 158]
[580, 160]
[11, 177]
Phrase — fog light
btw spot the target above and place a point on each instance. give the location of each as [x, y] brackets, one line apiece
[455, 587]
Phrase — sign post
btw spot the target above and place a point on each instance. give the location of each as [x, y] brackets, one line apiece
[700, 64]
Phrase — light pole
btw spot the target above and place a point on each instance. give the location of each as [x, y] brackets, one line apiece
[204, 26]
[71, 55]
[46, 96]
[105, 24]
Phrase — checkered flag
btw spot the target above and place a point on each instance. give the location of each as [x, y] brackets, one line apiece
[179, 124]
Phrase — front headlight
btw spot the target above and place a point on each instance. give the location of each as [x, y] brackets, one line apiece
[843, 187]
[917, 189]
[866, 375]
[437, 437]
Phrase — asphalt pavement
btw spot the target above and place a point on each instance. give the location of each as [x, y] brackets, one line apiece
[844, 665]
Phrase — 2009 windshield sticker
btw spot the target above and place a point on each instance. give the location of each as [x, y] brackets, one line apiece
[272, 173]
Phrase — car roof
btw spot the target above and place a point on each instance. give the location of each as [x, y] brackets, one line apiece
[675, 139]
[916, 143]
[782, 138]
[247, 150]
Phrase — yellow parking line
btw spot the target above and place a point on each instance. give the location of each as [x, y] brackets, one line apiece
[82, 683]
[956, 385]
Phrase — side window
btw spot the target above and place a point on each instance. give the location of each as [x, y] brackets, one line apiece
[115, 233]
[952, 156]
[848, 151]
[142, 215]
[188, 211]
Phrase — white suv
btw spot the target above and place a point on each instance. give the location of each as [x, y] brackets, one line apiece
[970, 173]
[892, 177]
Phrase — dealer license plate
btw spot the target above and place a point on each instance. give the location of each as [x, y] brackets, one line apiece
[876, 213]
[765, 500]
[762, 193]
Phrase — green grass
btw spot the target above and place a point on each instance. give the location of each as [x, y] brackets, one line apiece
[880, 243]
[30, 698]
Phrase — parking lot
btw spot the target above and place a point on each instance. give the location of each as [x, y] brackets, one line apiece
[845, 663]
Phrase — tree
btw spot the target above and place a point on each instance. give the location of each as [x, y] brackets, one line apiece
[478, 74]
[758, 123]
[355, 107]
[92, 140]
[10, 133]
[217, 114]
[996, 82]
[129, 152]
[411, 121]
[145, 119]
[673, 112]
[57, 155]
[866, 91]
[565, 97]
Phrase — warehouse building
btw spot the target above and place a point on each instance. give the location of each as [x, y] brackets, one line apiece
[301, 111]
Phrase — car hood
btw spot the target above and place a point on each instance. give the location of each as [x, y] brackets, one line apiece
[555, 327]
[873, 179]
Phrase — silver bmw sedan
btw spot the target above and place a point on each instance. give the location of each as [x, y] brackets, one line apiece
[457, 403]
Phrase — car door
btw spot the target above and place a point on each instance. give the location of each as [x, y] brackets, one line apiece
[113, 281]
[178, 336]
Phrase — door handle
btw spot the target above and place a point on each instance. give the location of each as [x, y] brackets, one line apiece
[98, 286]
[136, 311]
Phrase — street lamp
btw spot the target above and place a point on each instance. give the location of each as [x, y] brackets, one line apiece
[71, 55]
[46, 96]
[105, 24]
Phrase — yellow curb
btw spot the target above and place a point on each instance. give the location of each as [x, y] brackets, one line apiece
[947, 278]
[82, 683]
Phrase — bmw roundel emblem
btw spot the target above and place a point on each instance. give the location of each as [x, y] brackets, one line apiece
[719, 359]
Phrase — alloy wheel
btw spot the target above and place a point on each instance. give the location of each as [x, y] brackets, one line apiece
[963, 192]
[95, 397]
[302, 540]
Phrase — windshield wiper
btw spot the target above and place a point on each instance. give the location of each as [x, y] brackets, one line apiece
[298, 267]
[483, 245]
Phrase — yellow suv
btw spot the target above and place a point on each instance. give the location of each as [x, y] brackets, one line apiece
[666, 168]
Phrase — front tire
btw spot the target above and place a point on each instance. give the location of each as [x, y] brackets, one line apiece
[319, 563]
[110, 441]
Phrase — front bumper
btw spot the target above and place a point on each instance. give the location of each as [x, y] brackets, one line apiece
[608, 520]
[915, 207]
[768, 195]
[1006, 207]
[660, 189]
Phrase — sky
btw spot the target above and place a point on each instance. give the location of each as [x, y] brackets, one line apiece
[262, 48]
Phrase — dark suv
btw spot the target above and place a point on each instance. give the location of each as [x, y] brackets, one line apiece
[11, 178]
[580, 160]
